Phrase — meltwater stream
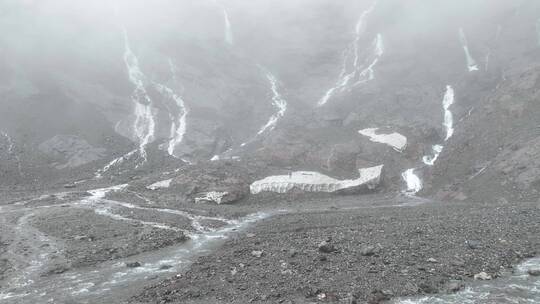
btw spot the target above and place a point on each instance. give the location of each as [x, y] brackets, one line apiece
[108, 281]
[353, 71]
[519, 288]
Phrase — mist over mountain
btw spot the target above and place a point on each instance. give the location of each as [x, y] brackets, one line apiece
[177, 122]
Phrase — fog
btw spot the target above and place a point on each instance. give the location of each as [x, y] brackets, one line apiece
[291, 151]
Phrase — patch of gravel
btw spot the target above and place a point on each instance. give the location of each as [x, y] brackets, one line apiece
[376, 254]
[90, 238]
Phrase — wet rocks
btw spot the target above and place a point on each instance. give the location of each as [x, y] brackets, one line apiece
[473, 244]
[482, 276]
[379, 296]
[454, 286]
[133, 264]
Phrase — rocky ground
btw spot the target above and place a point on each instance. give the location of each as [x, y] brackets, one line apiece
[368, 254]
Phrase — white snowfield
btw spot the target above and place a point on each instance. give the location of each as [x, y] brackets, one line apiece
[212, 196]
[394, 140]
[160, 185]
[316, 182]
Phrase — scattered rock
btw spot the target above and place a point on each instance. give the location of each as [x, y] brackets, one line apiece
[428, 287]
[534, 272]
[370, 250]
[326, 247]
[133, 264]
[432, 260]
[473, 244]
[454, 286]
[257, 253]
[482, 276]
[379, 296]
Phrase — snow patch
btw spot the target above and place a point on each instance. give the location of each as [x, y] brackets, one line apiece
[394, 140]
[316, 182]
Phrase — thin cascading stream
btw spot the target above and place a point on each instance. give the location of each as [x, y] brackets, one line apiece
[448, 125]
[368, 73]
[357, 73]
[229, 38]
[471, 63]
[278, 102]
[414, 183]
[144, 124]
[178, 124]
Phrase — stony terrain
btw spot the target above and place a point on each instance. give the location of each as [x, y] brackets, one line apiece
[129, 149]
[367, 254]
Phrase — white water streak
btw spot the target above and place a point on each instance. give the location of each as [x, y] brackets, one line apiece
[178, 127]
[144, 125]
[448, 123]
[98, 197]
[115, 162]
[357, 73]
[431, 159]
[368, 74]
[414, 183]
[278, 102]
[471, 63]
[228, 28]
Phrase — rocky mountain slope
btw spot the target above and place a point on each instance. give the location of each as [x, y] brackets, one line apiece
[143, 96]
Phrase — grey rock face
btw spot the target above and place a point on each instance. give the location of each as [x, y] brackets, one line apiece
[71, 150]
